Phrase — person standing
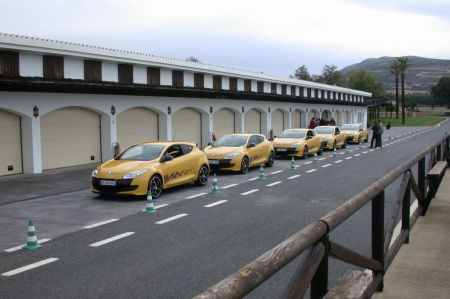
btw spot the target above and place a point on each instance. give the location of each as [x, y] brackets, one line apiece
[374, 134]
[378, 137]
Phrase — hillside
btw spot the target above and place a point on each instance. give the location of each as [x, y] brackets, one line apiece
[420, 77]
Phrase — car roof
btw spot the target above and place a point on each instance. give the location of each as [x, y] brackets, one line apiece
[244, 134]
[168, 143]
[297, 129]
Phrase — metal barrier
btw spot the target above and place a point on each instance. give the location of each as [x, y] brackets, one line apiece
[314, 239]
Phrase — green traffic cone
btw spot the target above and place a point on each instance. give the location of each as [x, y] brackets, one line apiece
[149, 208]
[262, 175]
[31, 237]
[215, 186]
[293, 164]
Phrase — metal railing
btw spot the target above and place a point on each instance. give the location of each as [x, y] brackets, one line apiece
[314, 240]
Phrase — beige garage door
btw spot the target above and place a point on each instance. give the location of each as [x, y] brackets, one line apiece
[252, 121]
[347, 119]
[70, 136]
[136, 125]
[223, 122]
[10, 144]
[277, 122]
[187, 126]
[295, 119]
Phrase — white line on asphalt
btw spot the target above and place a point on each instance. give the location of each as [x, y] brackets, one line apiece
[350, 151]
[250, 192]
[30, 266]
[342, 154]
[311, 170]
[228, 186]
[196, 195]
[274, 172]
[161, 206]
[293, 177]
[273, 184]
[308, 162]
[326, 165]
[371, 150]
[171, 218]
[321, 159]
[254, 179]
[21, 246]
[365, 152]
[348, 158]
[112, 239]
[216, 203]
[100, 223]
[338, 161]
[357, 155]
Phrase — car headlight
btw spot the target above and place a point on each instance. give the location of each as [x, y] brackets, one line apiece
[94, 173]
[133, 174]
[231, 156]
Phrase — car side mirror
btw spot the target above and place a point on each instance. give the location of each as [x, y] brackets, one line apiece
[251, 145]
[166, 157]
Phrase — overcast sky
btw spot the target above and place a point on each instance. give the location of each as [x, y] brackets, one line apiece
[274, 37]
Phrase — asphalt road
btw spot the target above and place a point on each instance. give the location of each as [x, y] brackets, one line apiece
[213, 236]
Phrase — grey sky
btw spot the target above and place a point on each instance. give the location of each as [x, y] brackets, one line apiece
[272, 37]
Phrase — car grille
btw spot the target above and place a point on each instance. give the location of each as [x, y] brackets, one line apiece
[122, 185]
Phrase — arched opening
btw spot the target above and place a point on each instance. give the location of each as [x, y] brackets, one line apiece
[10, 143]
[187, 126]
[136, 125]
[224, 122]
[252, 119]
[277, 122]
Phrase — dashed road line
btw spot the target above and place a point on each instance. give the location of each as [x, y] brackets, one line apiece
[348, 158]
[371, 150]
[357, 155]
[216, 203]
[326, 165]
[293, 177]
[30, 266]
[161, 206]
[273, 184]
[21, 246]
[250, 192]
[275, 172]
[112, 239]
[228, 186]
[342, 154]
[308, 162]
[311, 170]
[365, 152]
[321, 159]
[100, 223]
[171, 218]
[196, 195]
[253, 179]
[338, 161]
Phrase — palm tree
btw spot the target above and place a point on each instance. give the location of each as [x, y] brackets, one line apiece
[404, 63]
[394, 69]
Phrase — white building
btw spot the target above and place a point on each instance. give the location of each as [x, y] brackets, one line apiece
[65, 104]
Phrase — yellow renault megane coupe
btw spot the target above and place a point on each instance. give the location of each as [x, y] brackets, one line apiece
[239, 152]
[356, 133]
[152, 166]
[332, 137]
[298, 143]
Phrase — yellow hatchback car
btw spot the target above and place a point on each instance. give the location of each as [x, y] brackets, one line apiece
[151, 166]
[239, 152]
[298, 143]
[332, 137]
[356, 133]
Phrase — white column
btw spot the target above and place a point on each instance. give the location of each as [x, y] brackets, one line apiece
[31, 140]
[108, 136]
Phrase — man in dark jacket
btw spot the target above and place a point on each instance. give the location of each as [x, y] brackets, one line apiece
[375, 129]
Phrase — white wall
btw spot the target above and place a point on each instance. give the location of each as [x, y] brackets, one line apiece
[110, 72]
[267, 88]
[208, 81]
[139, 74]
[166, 77]
[254, 86]
[188, 79]
[240, 84]
[73, 68]
[225, 83]
[30, 65]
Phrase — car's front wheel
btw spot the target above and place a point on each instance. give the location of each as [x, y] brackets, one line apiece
[155, 186]
[203, 174]
[270, 159]
[245, 164]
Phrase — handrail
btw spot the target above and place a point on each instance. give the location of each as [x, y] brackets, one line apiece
[315, 237]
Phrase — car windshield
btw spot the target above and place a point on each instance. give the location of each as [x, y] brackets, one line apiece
[232, 140]
[324, 130]
[142, 152]
[292, 134]
[349, 127]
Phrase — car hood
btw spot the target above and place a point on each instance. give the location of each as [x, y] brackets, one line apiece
[350, 131]
[287, 141]
[218, 152]
[325, 135]
[117, 168]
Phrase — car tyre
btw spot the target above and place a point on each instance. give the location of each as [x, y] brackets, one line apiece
[202, 178]
[270, 159]
[245, 165]
[155, 186]
[320, 150]
[305, 152]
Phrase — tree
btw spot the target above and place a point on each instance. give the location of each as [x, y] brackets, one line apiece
[366, 81]
[441, 91]
[404, 64]
[302, 73]
[193, 59]
[331, 75]
[394, 69]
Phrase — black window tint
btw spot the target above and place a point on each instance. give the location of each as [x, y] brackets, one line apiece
[175, 151]
[253, 139]
[186, 148]
[260, 139]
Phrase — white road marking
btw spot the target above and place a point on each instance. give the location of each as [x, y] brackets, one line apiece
[228, 186]
[371, 150]
[350, 151]
[30, 266]
[311, 170]
[348, 158]
[250, 192]
[342, 154]
[112, 239]
[365, 152]
[293, 177]
[321, 159]
[216, 203]
[254, 179]
[273, 184]
[99, 223]
[308, 162]
[357, 155]
[326, 165]
[338, 161]
[196, 195]
[21, 246]
[161, 206]
[278, 171]
[171, 218]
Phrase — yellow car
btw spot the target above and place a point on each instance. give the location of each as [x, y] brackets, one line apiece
[151, 167]
[239, 152]
[332, 137]
[356, 133]
[298, 143]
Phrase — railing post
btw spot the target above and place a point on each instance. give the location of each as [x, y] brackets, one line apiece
[406, 208]
[439, 151]
[378, 231]
[447, 150]
[319, 283]
[421, 177]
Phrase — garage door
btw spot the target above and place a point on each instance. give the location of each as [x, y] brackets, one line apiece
[223, 122]
[187, 126]
[252, 121]
[10, 144]
[295, 119]
[136, 125]
[70, 136]
[277, 122]
[347, 117]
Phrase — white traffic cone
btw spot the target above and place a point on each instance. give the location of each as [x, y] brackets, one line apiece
[31, 237]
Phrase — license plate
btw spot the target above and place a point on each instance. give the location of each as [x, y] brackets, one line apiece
[213, 162]
[107, 183]
[281, 149]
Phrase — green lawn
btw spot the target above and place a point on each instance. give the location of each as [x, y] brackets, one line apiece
[412, 121]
